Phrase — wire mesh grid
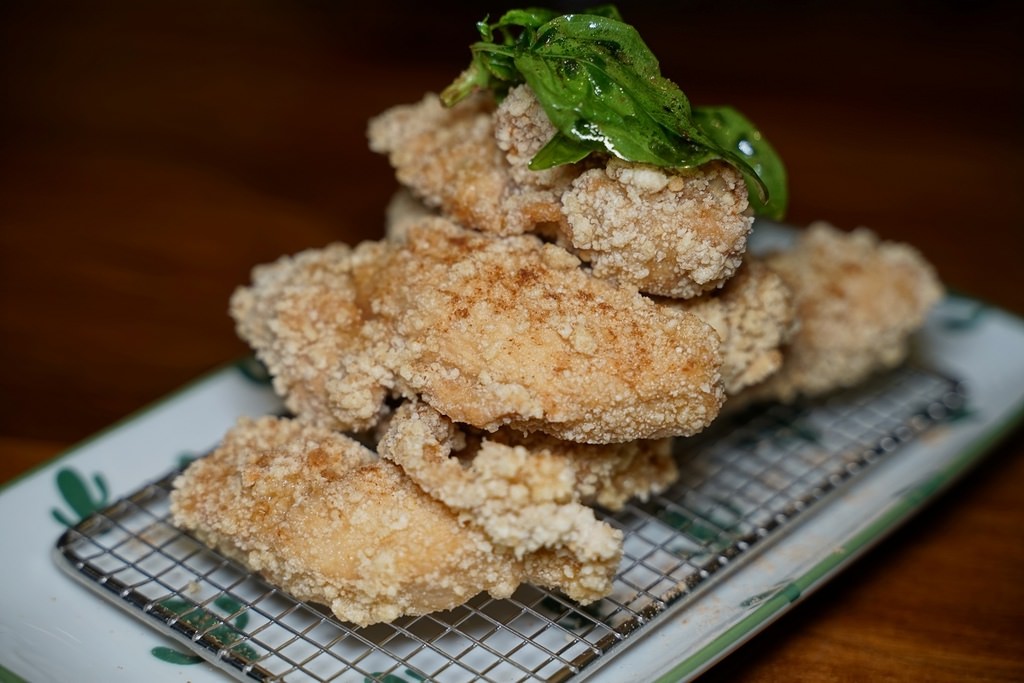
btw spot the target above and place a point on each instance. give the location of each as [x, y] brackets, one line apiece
[742, 484]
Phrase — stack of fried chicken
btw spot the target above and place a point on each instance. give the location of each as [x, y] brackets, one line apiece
[521, 345]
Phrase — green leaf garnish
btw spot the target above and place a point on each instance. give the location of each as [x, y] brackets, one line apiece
[602, 89]
[732, 130]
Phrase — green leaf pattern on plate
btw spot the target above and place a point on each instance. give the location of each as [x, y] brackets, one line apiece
[710, 529]
[203, 620]
[961, 314]
[185, 458]
[84, 497]
[254, 370]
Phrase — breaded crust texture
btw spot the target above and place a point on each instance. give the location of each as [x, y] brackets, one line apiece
[670, 233]
[858, 300]
[323, 517]
[754, 315]
[520, 346]
[490, 331]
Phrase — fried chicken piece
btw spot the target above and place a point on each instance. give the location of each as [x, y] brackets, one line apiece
[489, 331]
[449, 156]
[670, 233]
[676, 234]
[753, 312]
[523, 501]
[526, 498]
[305, 323]
[512, 331]
[325, 519]
[533, 199]
[858, 301]
[521, 129]
[608, 475]
[754, 315]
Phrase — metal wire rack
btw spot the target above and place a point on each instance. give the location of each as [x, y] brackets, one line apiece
[743, 484]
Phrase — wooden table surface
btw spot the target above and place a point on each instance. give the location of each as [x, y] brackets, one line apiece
[151, 153]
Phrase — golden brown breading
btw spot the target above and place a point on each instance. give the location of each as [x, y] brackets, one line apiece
[533, 199]
[858, 301]
[303, 319]
[754, 314]
[521, 129]
[670, 233]
[321, 516]
[489, 331]
[523, 501]
[608, 475]
[448, 156]
[525, 498]
[676, 233]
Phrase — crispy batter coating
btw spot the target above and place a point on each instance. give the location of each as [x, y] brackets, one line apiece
[858, 301]
[489, 331]
[523, 501]
[753, 312]
[754, 315]
[327, 520]
[449, 156]
[521, 128]
[526, 498]
[304, 320]
[608, 475]
[676, 234]
[533, 199]
[670, 233]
